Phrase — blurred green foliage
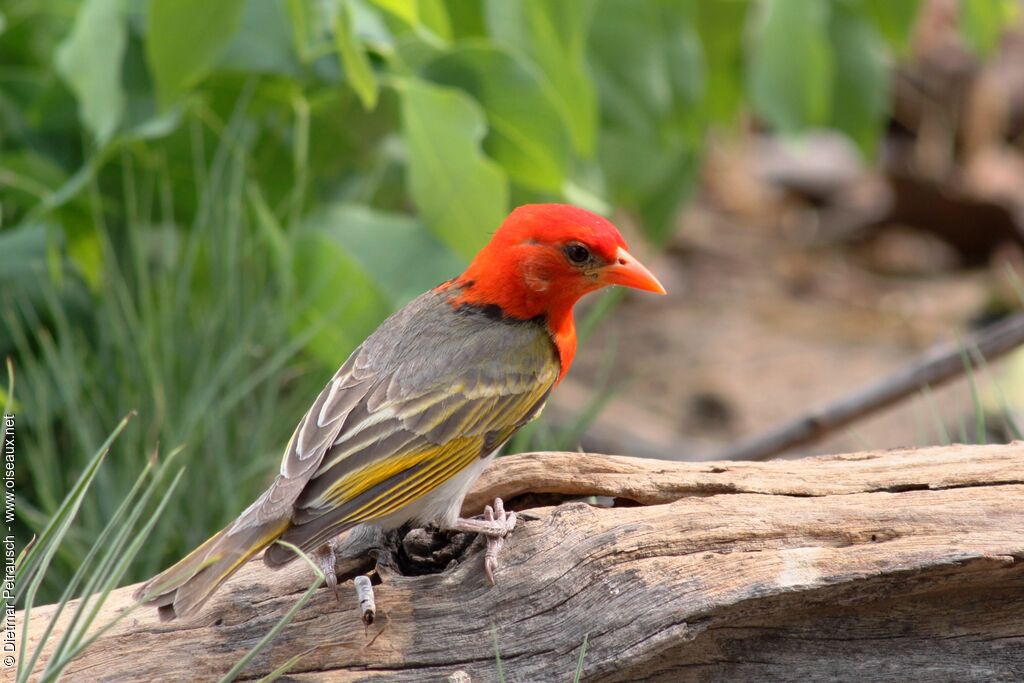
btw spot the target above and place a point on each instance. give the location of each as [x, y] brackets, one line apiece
[207, 205]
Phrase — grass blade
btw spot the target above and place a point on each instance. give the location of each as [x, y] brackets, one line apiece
[579, 662]
[284, 620]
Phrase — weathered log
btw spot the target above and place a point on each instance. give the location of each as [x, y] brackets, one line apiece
[887, 566]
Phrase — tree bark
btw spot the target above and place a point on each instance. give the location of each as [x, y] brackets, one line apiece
[887, 566]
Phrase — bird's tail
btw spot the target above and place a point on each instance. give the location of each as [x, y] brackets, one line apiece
[185, 587]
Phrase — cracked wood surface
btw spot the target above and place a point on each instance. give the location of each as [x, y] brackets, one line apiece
[892, 566]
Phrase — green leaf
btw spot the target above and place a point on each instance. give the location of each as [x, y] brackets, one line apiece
[337, 298]
[718, 25]
[790, 66]
[462, 194]
[527, 135]
[553, 34]
[983, 21]
[184, 39]
[263, 41]
[860, 90]
[89, 60]
[894, 20]
[434, 16]
[630, 65]
[354, 61]
[467, 19]
[403, 9]
[646, 178]
[372, 28]
[647, 61]
[648, 66]
[404, 258]
[430, 16]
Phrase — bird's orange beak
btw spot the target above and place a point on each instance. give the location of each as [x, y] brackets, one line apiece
[629, 272]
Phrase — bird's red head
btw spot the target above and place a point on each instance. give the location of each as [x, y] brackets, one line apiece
[542, 259]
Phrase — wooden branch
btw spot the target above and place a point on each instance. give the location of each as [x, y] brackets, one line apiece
[939, 365]
[895, 566]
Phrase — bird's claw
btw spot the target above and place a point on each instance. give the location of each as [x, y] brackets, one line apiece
[495, 526]
[326, 558]
[502, 521]
[496, 542]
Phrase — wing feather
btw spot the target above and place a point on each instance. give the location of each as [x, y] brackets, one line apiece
[428, 393]
[309, 442]
[445, 436]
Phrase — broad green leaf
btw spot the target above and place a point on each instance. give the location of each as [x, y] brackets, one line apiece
[684, 51]
[404, 258]
[645, 178]
[553, 34]
[406, 10]
[527, 134]
[630, 65]
[719, 28]
[434, 16]
[336, 297]
[263, 41]
[89, 60]
[894, 20]
[371, 28]
[790, 65]
[983, 21]
[429, 16]
[462, 194]
[312, 25]
[414, 53]
[647, 61]
[467, 18]
[184, 39]
[860, 90]
[354, 61]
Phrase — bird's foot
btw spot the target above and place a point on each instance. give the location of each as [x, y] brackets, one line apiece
[495, 526]
[326, 558]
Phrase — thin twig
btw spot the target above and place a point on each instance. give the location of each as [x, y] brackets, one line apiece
[942, 363]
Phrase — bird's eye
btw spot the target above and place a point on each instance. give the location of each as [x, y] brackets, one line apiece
[577, 253]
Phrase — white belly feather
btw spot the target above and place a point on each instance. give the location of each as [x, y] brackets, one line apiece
[441, 506]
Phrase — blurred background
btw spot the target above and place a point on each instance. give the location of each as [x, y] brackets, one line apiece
[207, 205]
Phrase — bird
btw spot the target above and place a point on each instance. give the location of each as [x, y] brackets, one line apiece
[407, 424]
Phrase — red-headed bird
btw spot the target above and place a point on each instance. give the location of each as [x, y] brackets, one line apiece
[416, 413]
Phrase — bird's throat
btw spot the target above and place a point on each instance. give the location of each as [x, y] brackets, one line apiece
[563, 332]
[521, 304]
